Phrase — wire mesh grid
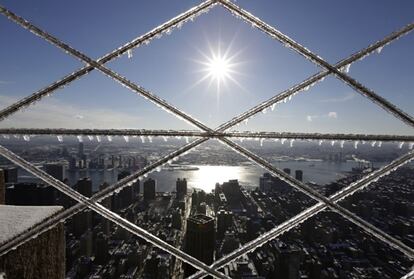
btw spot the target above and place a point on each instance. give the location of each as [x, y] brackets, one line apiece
[204, 133]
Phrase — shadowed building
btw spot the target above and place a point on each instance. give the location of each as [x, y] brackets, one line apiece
[181, 188]
[149, 189]
[200, 240]
[2, 188]
[299, 175]
[55, 170]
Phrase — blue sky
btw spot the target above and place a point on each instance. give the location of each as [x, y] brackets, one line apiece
[170, 66]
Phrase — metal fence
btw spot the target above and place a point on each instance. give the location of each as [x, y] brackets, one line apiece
[221, 133]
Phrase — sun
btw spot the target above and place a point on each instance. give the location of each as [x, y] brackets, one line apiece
[219, 68]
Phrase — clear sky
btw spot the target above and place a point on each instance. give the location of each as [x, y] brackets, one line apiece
[172, 65]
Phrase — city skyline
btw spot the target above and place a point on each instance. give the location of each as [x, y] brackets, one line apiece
[283, 205]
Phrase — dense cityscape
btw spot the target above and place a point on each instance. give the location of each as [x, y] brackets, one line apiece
[210, 224]
[254, 143]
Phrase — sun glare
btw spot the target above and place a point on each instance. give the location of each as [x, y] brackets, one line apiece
[218, 68]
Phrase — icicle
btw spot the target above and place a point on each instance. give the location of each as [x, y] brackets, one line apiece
[342, 143]
[373, 143]
[186, 140]
[6, 136]
[129, 53]
[345, 69]
[90, 138]
[378, 50]
[158, 169]
[333, 142]
[320, 142]
[246, 121]
[401, 145]
[306, 88]
[264, 110]
[109, 138]
[80, 139]
[165, 138]
[142, 139]
[150, 139]
[379, 144]
[291, 142]
[261, 141]
[411, 145]
[283, 141]
[273, 107]
[26, 137]
[98, 138]
[60, 138]
[356, 144]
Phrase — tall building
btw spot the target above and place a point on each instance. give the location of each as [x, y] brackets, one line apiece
[10, 175]
[84, 186]
[55, 170]
[181, 188]
[224, 221]
[125, 197]
[265, 182]
[286, 170]
[200, 240]
[149, 189]
[2, 188]
[81, 150]
[299, 175]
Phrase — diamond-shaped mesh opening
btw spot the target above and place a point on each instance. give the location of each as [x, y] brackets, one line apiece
[340, 70]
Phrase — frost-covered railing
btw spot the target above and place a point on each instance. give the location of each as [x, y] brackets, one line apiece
[221, 133]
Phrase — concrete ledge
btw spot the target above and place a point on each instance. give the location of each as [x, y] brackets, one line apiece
[41, 257]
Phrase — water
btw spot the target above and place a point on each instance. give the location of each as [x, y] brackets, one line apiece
[206, 176]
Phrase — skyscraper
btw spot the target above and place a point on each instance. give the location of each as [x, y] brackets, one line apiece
[181, 188]
[55, 170]
[84, 186]
[200, 240]
[10, 175]
[149, 189]
[299, 175]
[80, 150]
[2, 188]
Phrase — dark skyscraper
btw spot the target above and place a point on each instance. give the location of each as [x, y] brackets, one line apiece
[200, 240]
[10, 175]
[299, 175]
[181, 188]
[286, 170]
[55, 170]
[2, 188]
[80, 150]
[125, 197]
[84, 186]
[149, 189]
